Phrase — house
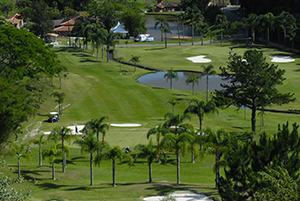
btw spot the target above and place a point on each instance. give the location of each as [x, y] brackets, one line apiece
[167, 7]
[65, 26]
[17, 20]
[50, 38]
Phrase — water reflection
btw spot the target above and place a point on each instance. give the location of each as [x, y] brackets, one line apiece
[157, 80]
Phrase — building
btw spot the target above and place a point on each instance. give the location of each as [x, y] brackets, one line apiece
[17, 20]
[167, 7]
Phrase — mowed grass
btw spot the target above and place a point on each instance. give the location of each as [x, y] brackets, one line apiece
[95, 88]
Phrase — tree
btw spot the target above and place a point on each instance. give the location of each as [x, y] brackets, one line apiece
[80, 27]
[200, 27]
[135, 59]
[252, 22]
[286, 21]
[266, 22]
[62, 134]
[109, 40]
[166, 30]
[97, 126]
[52, 153]
[148, 152]
[200, 108]
[221, 20]
[193, 14]
[210, 33]
[60, 100]
[217, 145]
[236, 27]
[200, 4]
[133, 21]
[114, 154]
[20, 151]
[90, 145]
[6, 7]
[207, 70]
[192, 79]
[255, 91]
[172, 102]
[245, 160]
[177, 143]
[170, 75]
[38, 15]
[40, 141]
[174, 122]
[162, 22]
[97, 36]
[7, 192]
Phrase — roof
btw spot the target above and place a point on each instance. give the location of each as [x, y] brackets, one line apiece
[73, 17]
[64, 28]
[51, 34]
[16, 18]
[119, 29]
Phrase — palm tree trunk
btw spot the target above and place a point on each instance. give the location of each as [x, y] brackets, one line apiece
[192, 32]
[217, 169]
[63, 150]
[268, 36]
[114, 173]
[178, 168]
[150, 172]
[166, 40]
[221, 34]
[193, 88]
[91, 169]
[178, 30]
[253, 120]
[171, 84]
[53, 171]
[107, 53]
[40, 155]
[206, 88]
[193, 157]
[102, 51]
[19, 170]
[97, 53]
[98, 150]
[200, 122]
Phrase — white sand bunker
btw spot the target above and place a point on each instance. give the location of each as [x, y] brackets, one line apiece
[126, 125]
[281, 59]
[199, 59]
[181, 196]
[73, 128]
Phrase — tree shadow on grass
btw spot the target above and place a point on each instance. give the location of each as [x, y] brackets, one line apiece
[160, 48]
[48, 186]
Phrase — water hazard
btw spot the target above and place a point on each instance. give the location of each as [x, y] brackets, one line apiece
[157, 80]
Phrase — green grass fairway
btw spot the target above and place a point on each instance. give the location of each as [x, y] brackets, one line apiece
[95, 88]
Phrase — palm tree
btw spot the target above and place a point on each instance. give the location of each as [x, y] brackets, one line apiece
[40, 141]
[97, 126]
[192, 79]
[221, 20]
[60, 99]
[194, 15]
[20, 152]
[162, 22]
[189, 128]
[62, 134]
[265, 23]
[166, 30]
[113, 154]
[217, 145]
[172, 102]
[174, 123]
[200, 27]
[236, 27]
[108, 40]
[51, 154]
[90, 145]
[79, 28]
[286, 21]
[177, 143]
[252, 22]
[200, 108]
[209, 70]
[170, 75]
[148, 152]
[209, 33]
[135, 59]
[97, 36]
[159, 131]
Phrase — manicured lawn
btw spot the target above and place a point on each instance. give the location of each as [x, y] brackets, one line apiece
[96, 88]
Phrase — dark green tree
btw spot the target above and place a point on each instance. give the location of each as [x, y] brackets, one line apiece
[255, 91]
[192, 79]
[222, 21]
[114, 154]
[40, 141]
[52, 153]
[60, 99]
[162, 23]
[202, 5]
[134, 60]
[174, 122]
[207, 70]
[20, 151]
[193, 15]
[172, 102]
[170, 75]
[287, 21]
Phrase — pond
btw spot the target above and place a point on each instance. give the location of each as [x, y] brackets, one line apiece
[157, 80]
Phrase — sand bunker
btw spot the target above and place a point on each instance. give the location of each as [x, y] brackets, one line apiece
[181, 196]
[281, 59]
[126, 125]
[199, 59]
[73, 128]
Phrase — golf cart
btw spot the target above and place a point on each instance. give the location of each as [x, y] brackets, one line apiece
[54, 117]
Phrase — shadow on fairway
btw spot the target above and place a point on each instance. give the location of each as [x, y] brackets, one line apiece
[47, 186]
[159, 48]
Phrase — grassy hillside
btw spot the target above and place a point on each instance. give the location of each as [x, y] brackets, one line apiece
[95, 88]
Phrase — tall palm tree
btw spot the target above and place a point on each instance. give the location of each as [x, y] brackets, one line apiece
[252, 22]
[189, 128]
[217, 145]
[52, 154]
[149, 152]
[97, 126]
[108, 40]
[194, 15]
[62, 133]
[159, 131]
[97, 36]
[19, 150]
[172, 102]
[192, 79]
[135, 59]
[40, 141]
[200, 27]
[170, 75]
[177, 143]
[287, 21]
[209, 70]
[60, 99]
[209, 33]
[266, 22]
[162, 22]
[166, 30]
[114, 154]
[221, 20]
[200, 108]
[90, 145]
